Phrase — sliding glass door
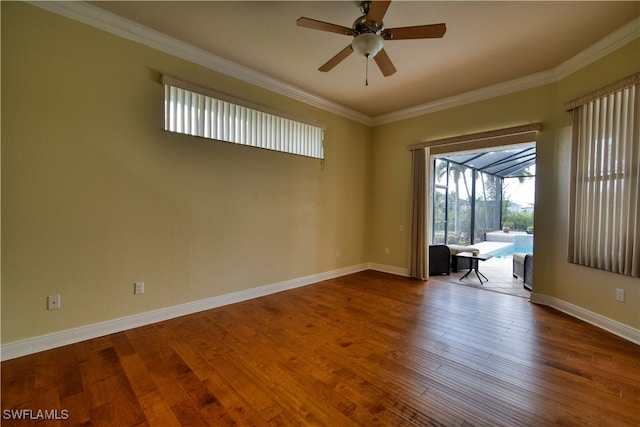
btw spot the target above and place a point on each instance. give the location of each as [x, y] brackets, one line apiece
[467, 204]
[452, 205]
[487, 205]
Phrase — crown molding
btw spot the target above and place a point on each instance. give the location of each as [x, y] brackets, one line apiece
[598, 50]
[505, 88]
[117, 25]
[125, 28]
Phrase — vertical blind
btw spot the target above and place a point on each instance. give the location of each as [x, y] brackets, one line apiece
[191, 112]
[605, 223]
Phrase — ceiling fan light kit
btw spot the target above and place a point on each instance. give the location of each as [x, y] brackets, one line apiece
[369, 34]
[367, 44]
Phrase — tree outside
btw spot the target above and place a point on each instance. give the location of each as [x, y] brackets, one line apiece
[494, 207]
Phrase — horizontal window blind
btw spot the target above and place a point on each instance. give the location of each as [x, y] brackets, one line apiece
[196, 111]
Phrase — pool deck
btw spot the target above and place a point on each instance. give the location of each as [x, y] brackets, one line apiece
[501, 236]
[488, 247]
[499, 270]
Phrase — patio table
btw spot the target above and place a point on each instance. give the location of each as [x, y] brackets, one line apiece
[474, 260]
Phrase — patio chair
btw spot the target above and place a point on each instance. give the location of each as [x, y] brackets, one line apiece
[439, 260]
[518, 265]
[528, 272]
[523, 269]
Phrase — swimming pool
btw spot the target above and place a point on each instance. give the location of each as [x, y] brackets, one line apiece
[521, 244]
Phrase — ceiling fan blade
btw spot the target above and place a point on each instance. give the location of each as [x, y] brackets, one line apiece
[324, 26]
[384, 63]
[377, 9]
[433, 31]
[327, 66]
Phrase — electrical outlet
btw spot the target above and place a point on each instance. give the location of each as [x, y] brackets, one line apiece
[53, 302]
[620, 295]
[386, 251]
[337, 254]
[138, 288]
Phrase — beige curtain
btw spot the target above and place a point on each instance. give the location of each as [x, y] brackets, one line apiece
[605, 205]
[418, 252]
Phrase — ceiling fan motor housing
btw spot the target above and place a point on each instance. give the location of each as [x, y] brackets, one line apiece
[365, 25]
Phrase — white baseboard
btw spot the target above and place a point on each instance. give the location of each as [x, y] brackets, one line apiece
[70, 336]
[602, 322]
[398, 271]
[57, 339]
[539, 299]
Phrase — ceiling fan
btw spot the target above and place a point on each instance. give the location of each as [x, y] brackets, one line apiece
[369, 35]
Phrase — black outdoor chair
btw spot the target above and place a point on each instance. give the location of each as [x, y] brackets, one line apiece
[439, 260]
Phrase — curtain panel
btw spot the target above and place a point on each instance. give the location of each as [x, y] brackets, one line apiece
[418, 250]
[605, 202]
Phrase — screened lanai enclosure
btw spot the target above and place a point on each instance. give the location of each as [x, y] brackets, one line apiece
[483, 192]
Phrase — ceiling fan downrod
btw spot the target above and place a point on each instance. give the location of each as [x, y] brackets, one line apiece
[364, 7]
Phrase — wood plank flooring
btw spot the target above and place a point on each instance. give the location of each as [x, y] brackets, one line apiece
[366, 349]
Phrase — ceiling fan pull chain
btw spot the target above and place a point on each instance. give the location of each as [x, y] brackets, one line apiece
[366, 72]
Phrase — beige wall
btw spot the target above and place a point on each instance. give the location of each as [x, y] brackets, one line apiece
[589, 288]
[96, 196]
[586, 288]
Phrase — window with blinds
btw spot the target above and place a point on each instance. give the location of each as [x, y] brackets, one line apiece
[605, 204]
[197, 111]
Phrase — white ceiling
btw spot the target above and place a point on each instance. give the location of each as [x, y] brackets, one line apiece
[486, 43]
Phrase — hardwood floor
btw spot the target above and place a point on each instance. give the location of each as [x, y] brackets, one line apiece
[365, 349]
